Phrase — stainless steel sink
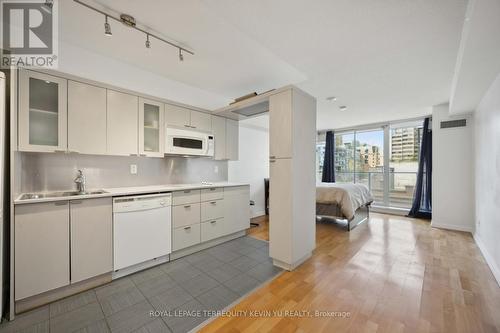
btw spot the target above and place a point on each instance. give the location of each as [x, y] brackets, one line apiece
[31, 196]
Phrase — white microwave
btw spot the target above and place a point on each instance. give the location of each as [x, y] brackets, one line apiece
[188, 142]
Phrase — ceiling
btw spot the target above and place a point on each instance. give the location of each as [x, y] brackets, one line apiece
[385, 60]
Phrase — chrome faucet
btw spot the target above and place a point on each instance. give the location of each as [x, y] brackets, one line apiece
[80, 182]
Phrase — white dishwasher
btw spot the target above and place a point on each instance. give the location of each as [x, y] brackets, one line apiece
[141, 229]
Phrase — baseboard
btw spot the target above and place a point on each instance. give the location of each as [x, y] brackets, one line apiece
[292, 266]
[452, 227]
[259, 213]
[488, 257]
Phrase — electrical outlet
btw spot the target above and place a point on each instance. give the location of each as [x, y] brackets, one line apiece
[216, 169]
[133, 169]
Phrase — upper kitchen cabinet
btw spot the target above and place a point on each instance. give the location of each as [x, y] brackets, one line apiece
[151, 129]
[232, 139]
[122, 123]
[219, 132]
[86, 118]
[201, 121]
[280, 120]
[178, 116]
[42, 112]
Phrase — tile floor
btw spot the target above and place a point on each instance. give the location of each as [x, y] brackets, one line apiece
[210, 280]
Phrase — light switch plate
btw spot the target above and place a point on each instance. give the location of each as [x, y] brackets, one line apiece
[133, 169]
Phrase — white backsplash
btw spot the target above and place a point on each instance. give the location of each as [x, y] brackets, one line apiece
[50, 172]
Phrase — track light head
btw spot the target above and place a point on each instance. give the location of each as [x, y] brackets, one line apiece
[107, 28]
[181, 56]
[148, 43]
[47, 6]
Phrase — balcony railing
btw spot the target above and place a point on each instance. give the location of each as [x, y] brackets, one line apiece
[401, 186]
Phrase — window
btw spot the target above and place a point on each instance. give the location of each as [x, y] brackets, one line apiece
[360, 157]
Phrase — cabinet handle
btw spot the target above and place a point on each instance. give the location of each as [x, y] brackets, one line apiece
[212, 189]
[76, 202]
[132, 154]
[60, 203]
[60, 151]
[272, 157]
[213, 202]
[187, 228]
[213, 222]
[272, 161]
[187, 206]
[143, 155]
[73, 152]
[187, 126]
[187, 191]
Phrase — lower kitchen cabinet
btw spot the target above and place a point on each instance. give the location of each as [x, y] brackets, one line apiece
[185, 236]
[237, 208]
[222, 211]
[41, 248]
[214, 229]
[91, 238]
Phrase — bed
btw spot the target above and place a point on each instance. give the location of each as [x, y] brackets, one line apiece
[348, 203]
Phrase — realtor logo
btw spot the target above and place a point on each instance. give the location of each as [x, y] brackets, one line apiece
[29, 33]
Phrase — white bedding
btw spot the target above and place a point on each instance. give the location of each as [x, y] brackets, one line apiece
[349, 197]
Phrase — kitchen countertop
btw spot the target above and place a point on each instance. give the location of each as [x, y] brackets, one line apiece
[121, 191]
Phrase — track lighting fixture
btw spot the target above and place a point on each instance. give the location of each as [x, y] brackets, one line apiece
[130, 22]
[107, 27]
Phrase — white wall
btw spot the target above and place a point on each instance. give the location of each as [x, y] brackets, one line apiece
[452, 173]
[253, 165]
[487, 160]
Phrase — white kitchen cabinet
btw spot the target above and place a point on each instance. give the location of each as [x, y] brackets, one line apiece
[91, 238]
[177, 116]
[86, 118]
[184, 237]
[219, 132]
[122, 123]
[211, 210]
[201, 121]
[214, 229]
[42, 112]
[292, 177]
[151, 128]
[232, 139]
[280, 120]
[280, 206]
[237, 208]
[185, 214]
[41, 245]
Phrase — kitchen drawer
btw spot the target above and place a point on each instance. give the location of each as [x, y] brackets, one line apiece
[185, 197]
[211, 210]
[185, 214]
[213, 193]
[185, 236]
[213, 229]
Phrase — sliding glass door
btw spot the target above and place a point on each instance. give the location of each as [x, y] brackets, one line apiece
[384, 158]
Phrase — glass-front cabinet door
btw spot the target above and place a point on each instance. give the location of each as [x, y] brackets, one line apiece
[151, 129]
[42, 112]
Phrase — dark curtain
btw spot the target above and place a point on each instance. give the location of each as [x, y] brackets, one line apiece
[328, 175]
[422, 197]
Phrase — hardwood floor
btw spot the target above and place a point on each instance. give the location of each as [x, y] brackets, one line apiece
[262, 231]
[393, 274]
